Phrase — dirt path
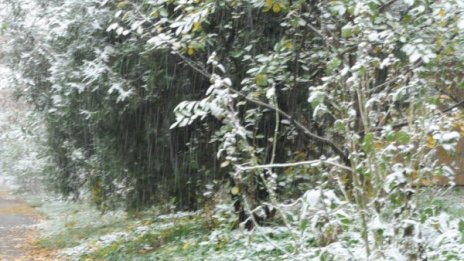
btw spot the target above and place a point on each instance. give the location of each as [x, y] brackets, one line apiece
[16, 229]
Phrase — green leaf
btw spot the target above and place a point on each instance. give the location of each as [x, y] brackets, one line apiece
[225, 164]
[163, 12]
[403, 137]
[368, 144]
[347, 31]
[334, 64]
[461, 227]
[121, 5]
[304, 224]
[236, 54]
[235, 190]
[461, 85]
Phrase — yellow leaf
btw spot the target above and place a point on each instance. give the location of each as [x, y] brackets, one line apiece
[426, 182]
[268, 4]
[254, 95]
[121, 5]
[261, 80]
[196, 26]
[440, 40]
[190, 51]
[441, 13]
[430, 141]
[155, 14]
[234, 191]
[289, 45]
[125, 16]
[458, 125]
[276, 8]
[186, 246]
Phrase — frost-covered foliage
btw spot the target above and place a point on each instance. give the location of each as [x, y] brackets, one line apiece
[381, 103]
[107, 103]
[22, 162]
[328, 115]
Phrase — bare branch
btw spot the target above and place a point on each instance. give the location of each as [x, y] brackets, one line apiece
[294, 164]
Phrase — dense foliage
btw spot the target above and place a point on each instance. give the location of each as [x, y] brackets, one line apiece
[327, 116]
[108, 103]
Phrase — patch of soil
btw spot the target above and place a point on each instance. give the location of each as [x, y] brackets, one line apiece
[17, 230]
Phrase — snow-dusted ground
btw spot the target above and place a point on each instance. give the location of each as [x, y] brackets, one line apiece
[16, 225]
[15, 215]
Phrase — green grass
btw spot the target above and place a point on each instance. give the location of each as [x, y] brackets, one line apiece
[144, 246]
[187, 238]
[73, 236]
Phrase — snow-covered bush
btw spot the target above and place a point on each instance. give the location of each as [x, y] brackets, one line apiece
[22, 159]
[381, 103]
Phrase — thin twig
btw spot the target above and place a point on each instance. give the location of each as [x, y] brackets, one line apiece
[402, 124]
[459, 104]
[386, 5]
[294, 164]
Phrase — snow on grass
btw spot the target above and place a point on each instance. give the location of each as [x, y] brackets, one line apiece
[179, 215]
[179, 236]
[88, 233]
[91, 246]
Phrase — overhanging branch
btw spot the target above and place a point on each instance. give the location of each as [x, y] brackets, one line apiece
[289, 117]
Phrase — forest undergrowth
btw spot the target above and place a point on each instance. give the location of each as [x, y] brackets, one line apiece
[79, 231]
